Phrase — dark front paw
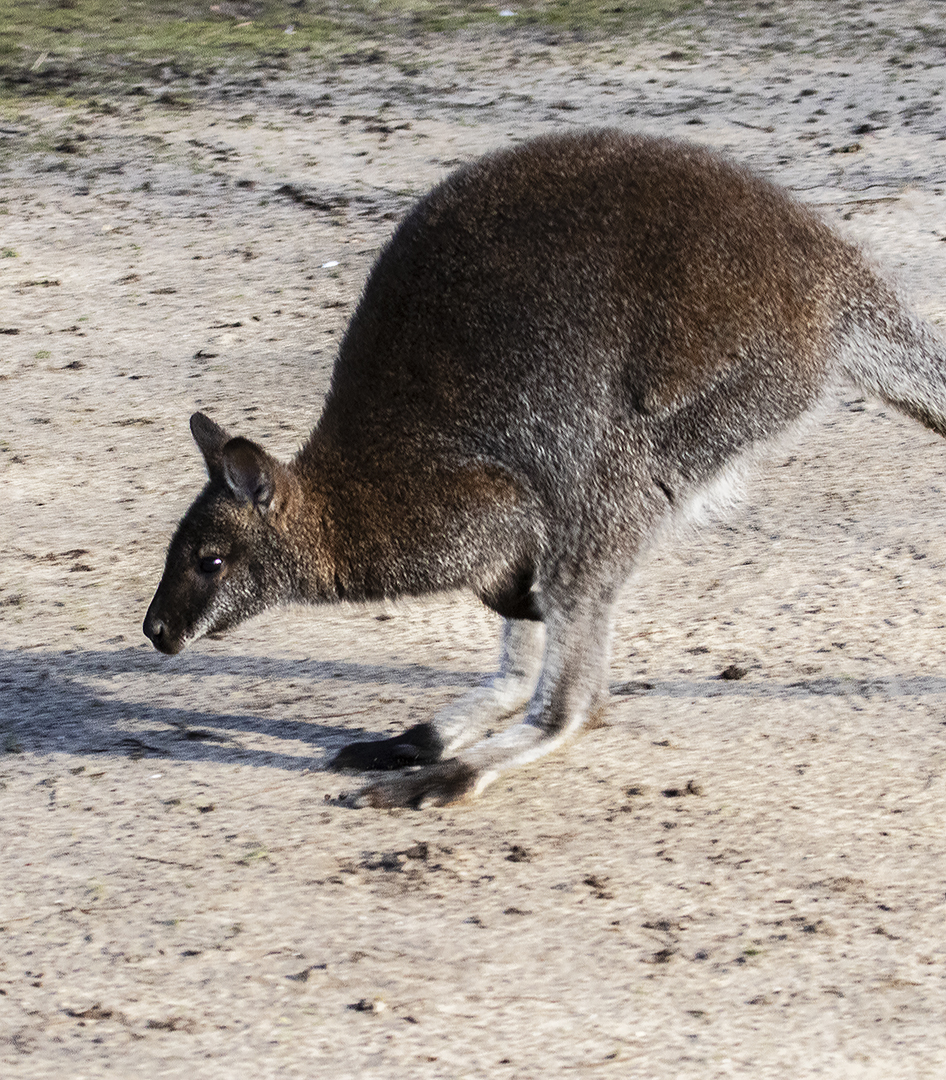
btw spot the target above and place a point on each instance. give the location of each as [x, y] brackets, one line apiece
[436, 785]
[418, 745]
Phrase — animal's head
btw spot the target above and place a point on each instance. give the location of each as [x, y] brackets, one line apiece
[229, 558]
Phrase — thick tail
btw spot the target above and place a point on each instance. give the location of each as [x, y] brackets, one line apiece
[893, 353]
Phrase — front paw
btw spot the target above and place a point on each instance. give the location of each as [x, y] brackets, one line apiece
[419, 745]
[436, 785]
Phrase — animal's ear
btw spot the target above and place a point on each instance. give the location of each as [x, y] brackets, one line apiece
[250, 473]
[211, 439]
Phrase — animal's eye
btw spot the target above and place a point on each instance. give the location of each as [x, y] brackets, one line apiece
[210, 564]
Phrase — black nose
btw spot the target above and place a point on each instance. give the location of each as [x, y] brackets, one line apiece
[153, 627]
[160, 635]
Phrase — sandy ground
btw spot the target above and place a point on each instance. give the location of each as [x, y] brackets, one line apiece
[732, 879]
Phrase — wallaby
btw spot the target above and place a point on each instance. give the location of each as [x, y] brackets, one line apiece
[563, 348]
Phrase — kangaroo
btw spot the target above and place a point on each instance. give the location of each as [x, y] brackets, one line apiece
[562, 349]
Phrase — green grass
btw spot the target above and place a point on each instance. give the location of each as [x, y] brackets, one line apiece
[52, 45]
[41, 39]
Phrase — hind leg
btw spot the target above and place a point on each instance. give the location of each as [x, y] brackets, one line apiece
[501, 695]
[571, 689]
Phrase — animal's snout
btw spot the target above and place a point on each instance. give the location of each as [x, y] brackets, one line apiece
[156, 631]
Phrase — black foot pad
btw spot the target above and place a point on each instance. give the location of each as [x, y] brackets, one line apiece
[442, 784]
[419, 745]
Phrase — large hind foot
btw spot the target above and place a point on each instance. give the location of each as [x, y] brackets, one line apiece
[435, 785]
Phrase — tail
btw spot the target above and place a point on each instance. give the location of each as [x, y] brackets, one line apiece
[893, 353]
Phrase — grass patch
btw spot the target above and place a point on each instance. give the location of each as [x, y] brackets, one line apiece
[47, 43]
[54, 46]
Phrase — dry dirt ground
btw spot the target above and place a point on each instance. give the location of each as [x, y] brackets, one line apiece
[734, 878]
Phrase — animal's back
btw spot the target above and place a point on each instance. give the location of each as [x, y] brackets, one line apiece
[588, 291]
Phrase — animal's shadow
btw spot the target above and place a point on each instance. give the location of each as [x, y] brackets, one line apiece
[53, 702]
[60, 701]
